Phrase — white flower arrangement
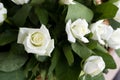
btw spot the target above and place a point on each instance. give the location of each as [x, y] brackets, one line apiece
[60, 35]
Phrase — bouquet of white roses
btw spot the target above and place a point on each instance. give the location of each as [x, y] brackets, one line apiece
[58, 39]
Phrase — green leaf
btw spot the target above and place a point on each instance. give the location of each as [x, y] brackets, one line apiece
[109, 61]
[31, 63]
[68, 54]
[79, 11]
[118, 52]
[65, 72]
[13, 60]
[112, 1]
[103, 11]
[17, 49]
[41, 58]
[21, 15]
[114, 24]
[88, 77]
[15, 75]
[81, 50]
[101, 48]
[54, 61]
[37, 1]
[42, 15]
[92, 44]
[33, 18]
[7, 37]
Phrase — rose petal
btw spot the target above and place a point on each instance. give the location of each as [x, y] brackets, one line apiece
[98, 37]
[50, 48]
[114, 41]
[3, 12]
[23, 32]
[70, 36]
[67, 2]
[18, 2]
[91, 69]
[108, 32]
[84, 39]
[45, 31]
[80, 22]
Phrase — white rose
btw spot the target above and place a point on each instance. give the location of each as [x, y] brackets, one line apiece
[101, 31]
[3, 12]
[117, 16]
[77, 30]
[67, 2]
[37, 41]
[114, 41]
[94, 65]
[20, 2]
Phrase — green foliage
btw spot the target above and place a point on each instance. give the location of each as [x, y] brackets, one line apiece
[114, 23]
[79, 11]
[68, 54]
[42, 15]
[65, 72]
[7, 37]
[14, 75]
[92, 44]
[37, 1]
[30, 64]
[103, 11]
[109, 61]
[12, 60]
[112, 1]
[33, 18]
[54, 61]
[41, 58]
[67, 59]
[81, 50]
[21, 15]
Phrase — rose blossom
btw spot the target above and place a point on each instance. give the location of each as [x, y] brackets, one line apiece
[94, 65]
[114, 41]
[20, 2]
[67, 2]
[3, 13]
[77, 30]
[37, 41]
[101, 31]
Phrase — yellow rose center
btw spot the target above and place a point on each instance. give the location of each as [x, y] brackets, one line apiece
[37, 39]
[79, 30]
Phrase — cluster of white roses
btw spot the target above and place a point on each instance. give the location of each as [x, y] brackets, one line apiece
[39, 42]
[105, 34]
[77, 30]
[102, 32]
